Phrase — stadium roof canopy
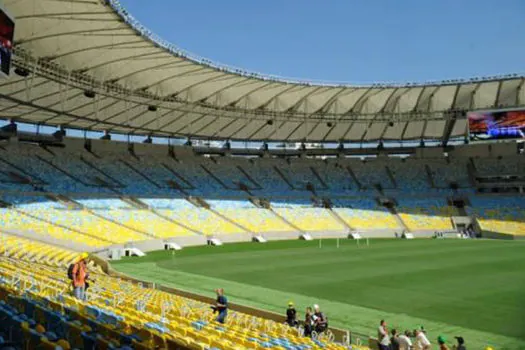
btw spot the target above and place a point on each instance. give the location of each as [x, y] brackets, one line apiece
[144, 85]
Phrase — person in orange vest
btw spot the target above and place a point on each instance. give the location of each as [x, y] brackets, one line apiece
[78, 275]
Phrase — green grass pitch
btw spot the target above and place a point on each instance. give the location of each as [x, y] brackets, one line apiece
[472, 288]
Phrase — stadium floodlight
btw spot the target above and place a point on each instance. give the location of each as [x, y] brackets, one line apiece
[152, 108]
[10, 128]
[22, 72]
[90, 94]
[60, 133]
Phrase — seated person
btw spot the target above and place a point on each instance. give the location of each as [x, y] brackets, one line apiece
[291, 315]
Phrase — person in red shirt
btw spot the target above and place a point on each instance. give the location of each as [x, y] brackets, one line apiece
[80, 274]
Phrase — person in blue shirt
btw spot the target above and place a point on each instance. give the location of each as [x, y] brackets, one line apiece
[221, 306]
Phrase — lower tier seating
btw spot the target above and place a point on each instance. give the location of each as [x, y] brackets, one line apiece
[30, 250]
[311, 219]
[365, 214]
[499, 214]
[35, 306]
[256, 219]
[423, 214]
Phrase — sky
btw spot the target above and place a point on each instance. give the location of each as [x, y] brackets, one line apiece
[354, 41]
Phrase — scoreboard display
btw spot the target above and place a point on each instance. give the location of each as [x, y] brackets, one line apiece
[496, 125]
[7, 31]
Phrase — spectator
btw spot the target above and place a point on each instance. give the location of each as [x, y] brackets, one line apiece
[320, 320]
[461, 343]
[221, 306]
[308, 322]
[79, 275]
[405, 343]
[442, 343]
[394, 340]
[291, 315]
[422, 342]
[382, 336]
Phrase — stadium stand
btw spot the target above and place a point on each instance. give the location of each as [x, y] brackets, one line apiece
[117, 313]
[34, 251]
[255, 219]
[426, 214]
[365, 215]
[60, 196]
[115, 197]
[500, 214]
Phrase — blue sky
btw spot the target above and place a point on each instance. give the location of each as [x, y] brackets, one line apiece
[358, 41]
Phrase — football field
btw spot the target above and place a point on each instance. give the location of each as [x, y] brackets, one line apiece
[469, 288]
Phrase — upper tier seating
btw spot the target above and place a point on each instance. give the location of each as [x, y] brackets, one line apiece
[409, 175]
[444, 173]
[371, 173]
[61, 170]
[336, 177]
[299, 173]
[512, 165]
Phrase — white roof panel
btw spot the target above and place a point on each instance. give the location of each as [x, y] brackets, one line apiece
[97, 45]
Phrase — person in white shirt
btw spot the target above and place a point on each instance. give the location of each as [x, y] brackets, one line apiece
[422, 342]
[405, 343]
[382, 336]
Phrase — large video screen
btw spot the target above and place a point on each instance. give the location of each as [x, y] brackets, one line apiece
[7, 31]
[505, 124]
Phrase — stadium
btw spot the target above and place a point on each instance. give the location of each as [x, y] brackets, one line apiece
[138, 180]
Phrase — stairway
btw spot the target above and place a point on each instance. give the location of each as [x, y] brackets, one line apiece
[119, 223]
[141, 174]
[87, 235]
[352, 175]
[180, 177]
[319, 178]
[176, 222]
[63, 171]
[430, 178]
[250, 178]
[100, 171]
[286, 221]
[227, 219]
[400, 221]
[339, 219]
[213, 176]
[22, 174]
[281, 175]
[471, 170]
[391, 176]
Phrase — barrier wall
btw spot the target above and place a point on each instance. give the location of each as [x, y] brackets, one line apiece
[340, 334]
